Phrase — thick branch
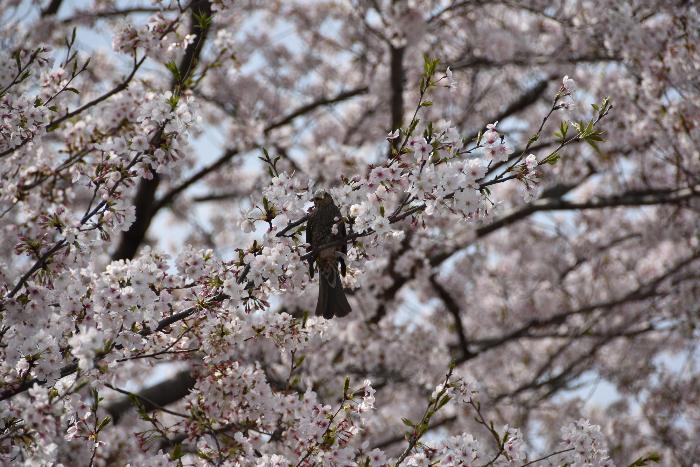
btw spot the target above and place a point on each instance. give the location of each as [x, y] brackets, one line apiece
[82, 15]
[305, 109]
[397, 83]
[627, 199]
[454, 309]
[156, 396]
[52, 8]
[525, 100]
[116, 90]
[530, 61]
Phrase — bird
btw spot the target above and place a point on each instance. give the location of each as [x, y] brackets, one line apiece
[325, 225]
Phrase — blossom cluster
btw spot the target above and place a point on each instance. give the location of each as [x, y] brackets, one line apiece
[26, 86]
[131, 39]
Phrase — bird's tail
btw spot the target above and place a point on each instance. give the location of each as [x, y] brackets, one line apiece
[331, 296]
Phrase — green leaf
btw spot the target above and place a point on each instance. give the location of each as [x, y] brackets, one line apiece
[177, 452]
[595, 136]
[408, 422]
[426, 104]
[429, 67]
[95, 396]
[594, 146]
[203, 20]
[174, 99]
[105, 421]
[73, 90]
[563, 130]
[174, 70]
[654, 457]
[443, 402]
[552, 159]
[72, 57]
[346, 386]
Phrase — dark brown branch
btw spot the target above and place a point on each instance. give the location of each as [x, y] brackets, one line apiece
[572, 371]
[528, 98]
[291, 225]
[305, 109]
[397, 84]
[156, 397]
[143, 201]
[627, 199]
[117, 89]
[52, 8]
[600, 249]
[402, 437]
[39, 264]
[530, 61]
[83, 15]
[454, 309]
[194, 178]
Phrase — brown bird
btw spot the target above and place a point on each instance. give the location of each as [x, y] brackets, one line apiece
[325, 225]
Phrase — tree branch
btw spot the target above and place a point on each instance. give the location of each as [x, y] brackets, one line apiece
[454, 309]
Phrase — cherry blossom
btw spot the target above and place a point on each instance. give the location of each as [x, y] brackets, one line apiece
[522, 251]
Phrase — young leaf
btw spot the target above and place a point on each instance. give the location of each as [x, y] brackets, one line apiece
[654, 457]
[103, 423]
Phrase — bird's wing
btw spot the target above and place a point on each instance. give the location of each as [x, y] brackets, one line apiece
[309, 228]
[344, 233]
[310, 239]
